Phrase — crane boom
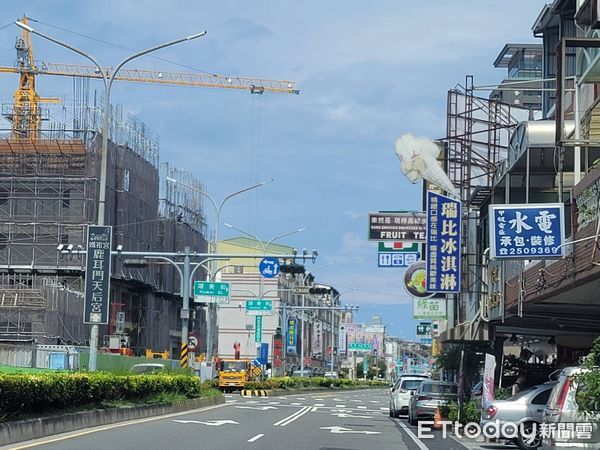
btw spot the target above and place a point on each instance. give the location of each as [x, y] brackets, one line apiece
[26, 115]
[254, 85]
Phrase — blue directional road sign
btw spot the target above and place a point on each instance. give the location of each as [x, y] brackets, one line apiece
[269, 267]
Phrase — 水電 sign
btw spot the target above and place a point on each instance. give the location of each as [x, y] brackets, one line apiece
[429, 308]
[396, 259]
[443, 243]
[97, 274]
[259, 307]
[291, 338]
[407, 226]
[424, 330]
[529, 231]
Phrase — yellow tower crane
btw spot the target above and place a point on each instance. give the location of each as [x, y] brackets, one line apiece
[26, 115]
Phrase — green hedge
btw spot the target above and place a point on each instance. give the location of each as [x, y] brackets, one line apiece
[299, 383]
[35, 393]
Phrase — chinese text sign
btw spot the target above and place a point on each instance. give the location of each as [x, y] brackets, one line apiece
[443, 243]
[531, 231]
[97, 275]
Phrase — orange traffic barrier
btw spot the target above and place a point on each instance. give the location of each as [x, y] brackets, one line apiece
[437, 419]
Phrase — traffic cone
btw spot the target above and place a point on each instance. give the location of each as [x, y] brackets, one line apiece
[437, 419]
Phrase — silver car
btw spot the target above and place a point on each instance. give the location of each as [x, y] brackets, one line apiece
[564, 426]
[523, 410]
[430, 396]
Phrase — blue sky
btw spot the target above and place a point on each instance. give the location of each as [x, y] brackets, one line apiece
[368, 72]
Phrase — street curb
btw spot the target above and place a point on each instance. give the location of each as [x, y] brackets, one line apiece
[25, 430]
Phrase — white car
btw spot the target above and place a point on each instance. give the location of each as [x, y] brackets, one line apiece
[401, 393]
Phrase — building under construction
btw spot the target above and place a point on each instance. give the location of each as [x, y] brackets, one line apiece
[49, 184]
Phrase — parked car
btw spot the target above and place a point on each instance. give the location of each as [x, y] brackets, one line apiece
[331, 375]
[526, 407]
[148, 368]
[401, 393]
[562, 411]
[298, 373]
[429, 396]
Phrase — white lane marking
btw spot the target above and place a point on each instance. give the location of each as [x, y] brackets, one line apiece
[361, 407]
[319, 404]
[295, 416]
[255, 438]
[319, 399]
[340, 406]
[412, 436]
[300, 398]
[258, 408]
[290, 416]
[374, 401]
[251, 402]
[212, 423]
[357, 401]
[314, 409]
[230, 401]
[282, 398]
[296, 404]
[274, 403]
[383, 408]
[348, 416]
[342, 430]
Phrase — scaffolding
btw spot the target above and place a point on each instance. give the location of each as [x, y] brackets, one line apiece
[478, 131]
[182, 197]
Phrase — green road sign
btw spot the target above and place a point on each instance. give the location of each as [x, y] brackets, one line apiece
[359, 347]
[210, 289]
[258, 329]
[259, 307]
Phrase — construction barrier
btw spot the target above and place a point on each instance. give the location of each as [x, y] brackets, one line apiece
[255, 393]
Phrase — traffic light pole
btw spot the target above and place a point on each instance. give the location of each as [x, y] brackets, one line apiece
[185, 275]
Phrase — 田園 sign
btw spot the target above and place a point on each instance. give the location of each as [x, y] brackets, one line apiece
[97, 274]
[407, 226]
[529, 231]
[443, 243]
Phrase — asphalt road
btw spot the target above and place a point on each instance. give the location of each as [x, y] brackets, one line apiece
[331, 420]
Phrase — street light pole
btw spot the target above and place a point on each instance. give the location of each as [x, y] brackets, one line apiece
[108, 81]
[211, 316]
[262, 244]
[331, 365]
[304, 277]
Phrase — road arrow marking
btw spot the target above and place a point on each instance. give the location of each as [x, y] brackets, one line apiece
[258, 408]
[342, 430]
[212, 423]
[345, 416]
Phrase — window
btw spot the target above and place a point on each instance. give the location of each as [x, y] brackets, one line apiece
[411, 385]
[542, 398]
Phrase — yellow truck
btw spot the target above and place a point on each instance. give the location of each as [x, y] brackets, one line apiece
[234, 374]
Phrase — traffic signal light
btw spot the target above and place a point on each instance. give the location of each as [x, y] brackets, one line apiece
[319, 291]
[139, 263]
[291, 268]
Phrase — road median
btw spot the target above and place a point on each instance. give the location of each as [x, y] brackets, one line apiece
[24, 430]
